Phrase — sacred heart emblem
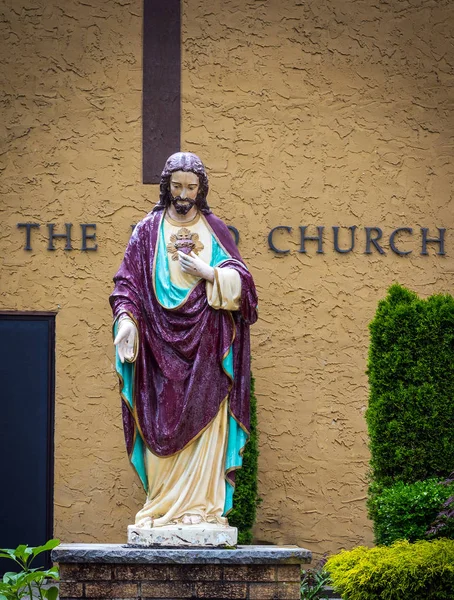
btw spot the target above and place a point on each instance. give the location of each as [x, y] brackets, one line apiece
[184, 241]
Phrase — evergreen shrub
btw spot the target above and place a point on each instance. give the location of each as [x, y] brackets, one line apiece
[420, 571]
[411, 375]
[245, 497]
[405, 511]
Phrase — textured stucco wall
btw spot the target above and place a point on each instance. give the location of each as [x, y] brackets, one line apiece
[306, 113]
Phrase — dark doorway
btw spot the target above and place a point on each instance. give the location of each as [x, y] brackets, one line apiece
[27, 376]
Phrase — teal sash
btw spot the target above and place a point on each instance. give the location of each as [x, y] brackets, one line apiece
[126, 373]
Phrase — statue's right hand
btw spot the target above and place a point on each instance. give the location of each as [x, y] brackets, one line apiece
[126, 339]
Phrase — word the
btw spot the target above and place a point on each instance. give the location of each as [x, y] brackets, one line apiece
[86, 236]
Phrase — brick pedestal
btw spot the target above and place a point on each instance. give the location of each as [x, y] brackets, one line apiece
[110, 571]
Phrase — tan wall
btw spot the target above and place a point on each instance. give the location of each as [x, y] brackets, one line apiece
[321, 113]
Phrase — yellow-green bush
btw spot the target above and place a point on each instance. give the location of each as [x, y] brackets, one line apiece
[404, 571]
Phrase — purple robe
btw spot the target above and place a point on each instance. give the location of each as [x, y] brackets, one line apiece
[179, 382]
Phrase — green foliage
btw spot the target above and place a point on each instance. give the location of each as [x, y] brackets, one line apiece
[245, 498]
[411, 375]
[17, 585]
[314, 580]
[405, 511]
[420, 571]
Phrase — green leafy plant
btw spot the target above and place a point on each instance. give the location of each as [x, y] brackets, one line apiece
[313, 581]
[403, 571]
[405, 511]
[28, 581]
[245, 498]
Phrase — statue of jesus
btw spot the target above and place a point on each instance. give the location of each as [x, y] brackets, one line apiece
[183, 303]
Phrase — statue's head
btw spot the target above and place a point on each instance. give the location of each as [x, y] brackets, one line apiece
[186, 162]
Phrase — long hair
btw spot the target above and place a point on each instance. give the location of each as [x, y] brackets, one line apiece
[189, 162]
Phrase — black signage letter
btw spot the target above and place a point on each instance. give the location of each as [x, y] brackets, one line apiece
[336, 240]
[374, 241]
[28, 228]
[392, 244]
[440, 241]
[316, 238]
[53, 236]
[270, 239]
[88, 236]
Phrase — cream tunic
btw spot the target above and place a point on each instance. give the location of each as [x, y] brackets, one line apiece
[191, 483]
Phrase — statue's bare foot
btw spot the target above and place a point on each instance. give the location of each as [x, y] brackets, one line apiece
[145, 523]
[191, 520]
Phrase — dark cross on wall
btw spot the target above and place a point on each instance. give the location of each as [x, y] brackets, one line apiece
[161, 99]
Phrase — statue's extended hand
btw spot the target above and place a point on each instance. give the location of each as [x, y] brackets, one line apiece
[126, 339]
[192, 264]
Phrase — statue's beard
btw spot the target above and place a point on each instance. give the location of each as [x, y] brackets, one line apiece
[182, 206]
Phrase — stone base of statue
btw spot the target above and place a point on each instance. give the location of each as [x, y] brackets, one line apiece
[120, 571]
[204, 535]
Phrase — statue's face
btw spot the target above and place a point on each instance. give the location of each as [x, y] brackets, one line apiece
[184, 187]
